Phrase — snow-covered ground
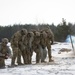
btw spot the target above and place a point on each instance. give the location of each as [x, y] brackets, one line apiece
[64, 64]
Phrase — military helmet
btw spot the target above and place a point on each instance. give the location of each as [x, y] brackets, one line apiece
[5, 40]
[30, 34]
[37, 33]
[23, 31]
[43, 34]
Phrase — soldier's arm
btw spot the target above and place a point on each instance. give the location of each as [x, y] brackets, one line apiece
[0, 51]
[3, 56]
[52, 40]
[52, 37]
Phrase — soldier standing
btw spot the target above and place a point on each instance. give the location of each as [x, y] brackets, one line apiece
[27, 47]
[47, 40]
[36, 45]
[16, 44]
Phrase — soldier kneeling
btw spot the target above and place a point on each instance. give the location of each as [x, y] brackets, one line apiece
[5, 52]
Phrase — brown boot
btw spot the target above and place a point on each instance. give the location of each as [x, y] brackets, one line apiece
[20, 64]
[51, 60]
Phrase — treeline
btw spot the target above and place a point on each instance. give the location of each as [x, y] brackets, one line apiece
[60, 31]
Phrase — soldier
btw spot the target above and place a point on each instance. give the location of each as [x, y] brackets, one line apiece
[43, 37]
[5, 52]
[16, 42]
[36, 45]
[46, 40]
[27, 43]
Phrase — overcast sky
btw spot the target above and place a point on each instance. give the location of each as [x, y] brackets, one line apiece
[36, 11]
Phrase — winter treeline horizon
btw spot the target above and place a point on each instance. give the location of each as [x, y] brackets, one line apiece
[61, 31]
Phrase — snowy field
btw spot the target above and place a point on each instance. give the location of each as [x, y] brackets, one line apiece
[64, 64]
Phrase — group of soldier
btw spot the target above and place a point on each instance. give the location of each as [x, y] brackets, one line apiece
[24, 43]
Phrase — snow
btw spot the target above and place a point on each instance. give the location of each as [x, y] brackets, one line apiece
[64, 64]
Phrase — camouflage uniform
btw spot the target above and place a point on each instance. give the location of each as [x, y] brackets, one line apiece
[47, 39]
[27, 43]
[43, 38]
[16, 44]
[36, 45]
[4, 51]
[23, 32]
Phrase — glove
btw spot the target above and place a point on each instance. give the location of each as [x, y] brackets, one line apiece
[6, 56]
